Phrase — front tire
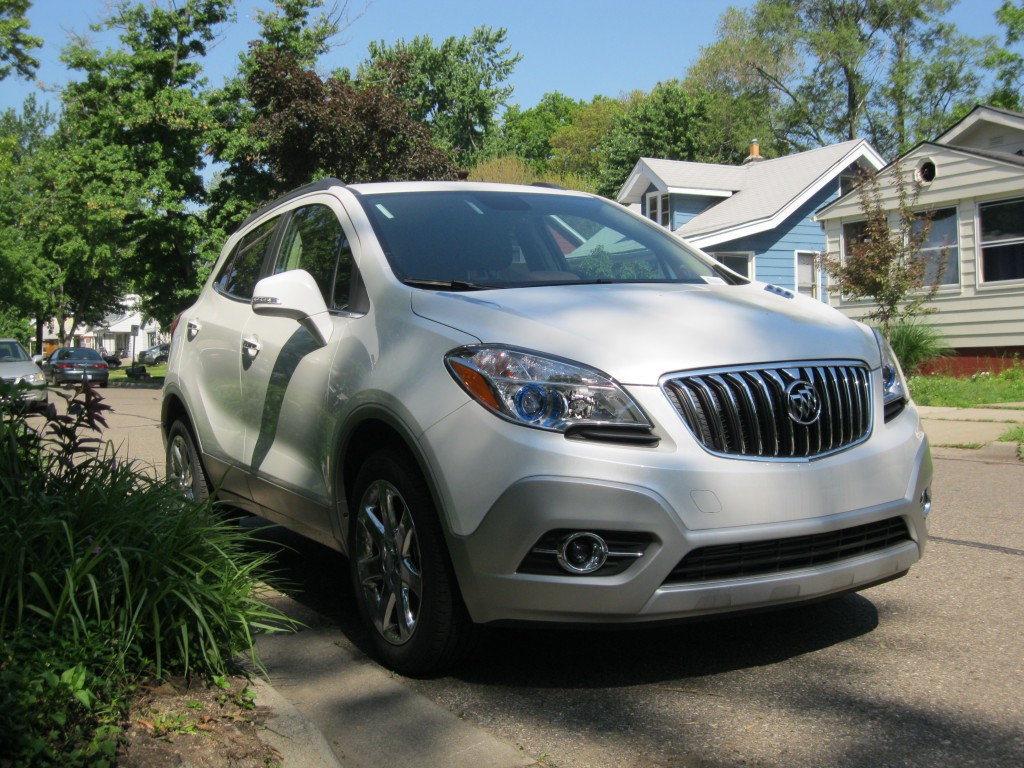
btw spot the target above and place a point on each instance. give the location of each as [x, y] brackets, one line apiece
[404, 582]
[183, 467]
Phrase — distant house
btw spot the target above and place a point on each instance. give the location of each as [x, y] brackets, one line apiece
[972, 183]
[127, 332]
[756, 218]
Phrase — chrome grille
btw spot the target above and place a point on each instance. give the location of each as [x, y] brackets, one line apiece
[745, 412]
[756, 558]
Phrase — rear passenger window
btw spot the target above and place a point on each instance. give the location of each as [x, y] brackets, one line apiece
[242, 270]
[315, 241]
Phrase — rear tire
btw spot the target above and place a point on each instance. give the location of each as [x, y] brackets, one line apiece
[403, 578]
[183, 466]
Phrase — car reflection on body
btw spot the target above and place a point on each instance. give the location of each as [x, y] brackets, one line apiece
[72, 365]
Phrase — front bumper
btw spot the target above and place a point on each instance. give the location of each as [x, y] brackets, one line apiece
[679, 499]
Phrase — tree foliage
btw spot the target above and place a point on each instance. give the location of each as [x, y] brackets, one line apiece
[526, 133]
[457, 87]
[312, 128]
[15, 42]
[1006, 63]
[884, 264]
[669, 123]
[128, 186]
[886, 70]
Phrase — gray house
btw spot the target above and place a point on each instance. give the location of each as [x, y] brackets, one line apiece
[972, 183]
[756, 218]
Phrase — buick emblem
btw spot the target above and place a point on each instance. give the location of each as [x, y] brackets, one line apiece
[802, 403]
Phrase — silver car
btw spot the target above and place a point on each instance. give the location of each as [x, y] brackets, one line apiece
[520, 404]
[17, 370]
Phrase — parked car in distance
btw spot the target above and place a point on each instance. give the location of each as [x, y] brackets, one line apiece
[18, 370]
[112, 360]
[511, 404]
[155, 354]
[74, 365]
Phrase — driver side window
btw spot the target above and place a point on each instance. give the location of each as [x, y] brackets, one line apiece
[315, 241]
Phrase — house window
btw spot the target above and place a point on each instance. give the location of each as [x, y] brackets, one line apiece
[808, 279]
[738, 261]
[658, 209]
[1002, 241]
[941, 238]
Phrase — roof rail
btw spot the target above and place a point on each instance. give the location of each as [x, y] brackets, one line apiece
[316, 186]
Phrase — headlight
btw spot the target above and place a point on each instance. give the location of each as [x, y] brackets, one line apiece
[34, 379]
[894, 387]
[538, 391]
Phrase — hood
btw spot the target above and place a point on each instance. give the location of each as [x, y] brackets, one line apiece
[18, 369]
[638, 332]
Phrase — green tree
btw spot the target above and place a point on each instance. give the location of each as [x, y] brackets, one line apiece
[1006, 63]
[669, 123]
[295, 28]
[886, 70]
[311, 128]
[15, 42]
[128, 187]
[526, 133]
[25, 146]
[576, 147]
[884, 263]
[457, 87]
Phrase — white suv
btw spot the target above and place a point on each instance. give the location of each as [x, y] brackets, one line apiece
[522, 404]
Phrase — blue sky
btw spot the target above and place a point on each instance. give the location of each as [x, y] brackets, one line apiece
[579, 47]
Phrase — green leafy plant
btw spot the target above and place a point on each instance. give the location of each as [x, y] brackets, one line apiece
[980, 389]
[107, 575]
[915, 343]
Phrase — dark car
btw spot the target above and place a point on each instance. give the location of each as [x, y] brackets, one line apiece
[75, 365]
[155, 354]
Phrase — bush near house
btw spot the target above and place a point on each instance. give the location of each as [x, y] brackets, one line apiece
[979, 389]
[107, 578]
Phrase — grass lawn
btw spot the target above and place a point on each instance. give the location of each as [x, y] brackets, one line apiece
[980, 389]
[156, 373]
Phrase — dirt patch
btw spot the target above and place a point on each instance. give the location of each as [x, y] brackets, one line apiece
[182, 723]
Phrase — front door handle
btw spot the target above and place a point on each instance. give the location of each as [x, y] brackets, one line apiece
[192, 329]
[251, 347]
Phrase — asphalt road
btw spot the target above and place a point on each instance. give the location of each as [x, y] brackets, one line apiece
[924, 671]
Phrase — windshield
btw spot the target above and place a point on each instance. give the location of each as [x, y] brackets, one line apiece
[11, 351]
[495, 239]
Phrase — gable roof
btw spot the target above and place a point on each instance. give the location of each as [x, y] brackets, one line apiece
[979, 114]
[756, 197]
[923, 150]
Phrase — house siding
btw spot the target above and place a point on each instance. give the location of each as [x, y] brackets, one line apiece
[774, 250]
[971, 315]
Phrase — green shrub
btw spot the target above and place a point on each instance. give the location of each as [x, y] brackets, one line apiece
[979, 389]
[915, 343]
[106, 576]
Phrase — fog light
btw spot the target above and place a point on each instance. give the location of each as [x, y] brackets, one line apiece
[926, 501]
[582, 552]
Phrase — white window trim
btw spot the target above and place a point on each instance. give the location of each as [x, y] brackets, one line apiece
[654, 205]
[979, 267]
[748, 255]
[819, 289]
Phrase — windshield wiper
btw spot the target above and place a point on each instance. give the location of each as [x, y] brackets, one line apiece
[448, 285]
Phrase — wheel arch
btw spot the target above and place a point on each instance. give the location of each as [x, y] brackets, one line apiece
[370, 430]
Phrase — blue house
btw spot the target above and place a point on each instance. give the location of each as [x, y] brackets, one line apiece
[756, 218]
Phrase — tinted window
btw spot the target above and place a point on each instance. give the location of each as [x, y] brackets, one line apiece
[77, 353]
[1002, 241]
[314, 241]
[242, 270]
[508, 239]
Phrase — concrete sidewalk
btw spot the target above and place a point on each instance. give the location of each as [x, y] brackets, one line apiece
[977, 429]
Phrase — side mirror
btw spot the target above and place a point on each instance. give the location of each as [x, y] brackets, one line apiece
[38, 360]
[294, 294]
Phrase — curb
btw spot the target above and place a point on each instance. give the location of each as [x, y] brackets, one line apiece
[289, 732]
